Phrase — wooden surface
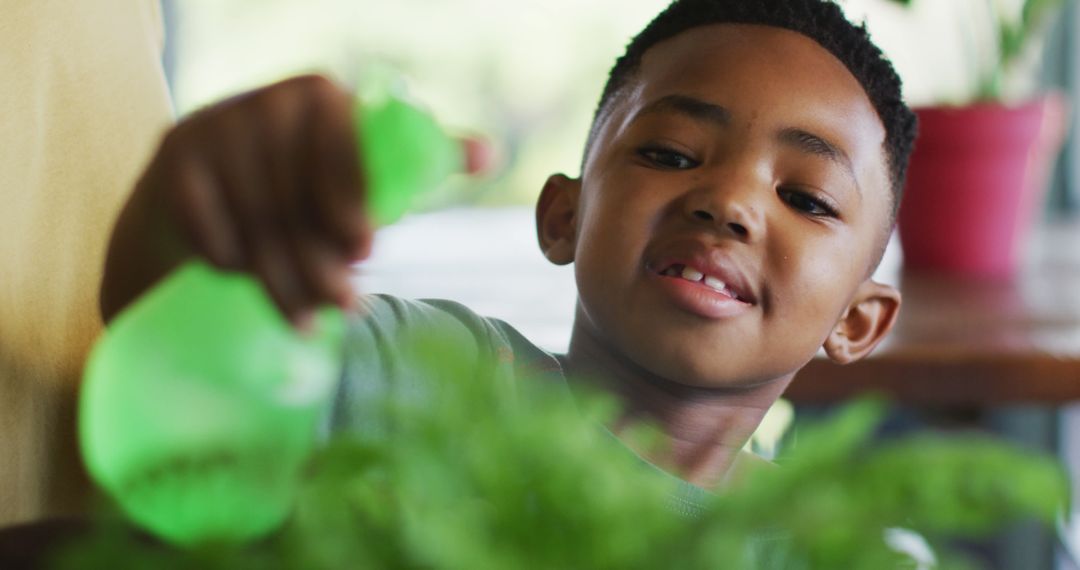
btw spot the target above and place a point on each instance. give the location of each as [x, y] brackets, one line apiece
[974, 342]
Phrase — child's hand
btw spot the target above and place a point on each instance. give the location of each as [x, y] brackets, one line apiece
[268, 182]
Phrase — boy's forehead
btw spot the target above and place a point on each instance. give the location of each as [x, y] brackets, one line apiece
[771, 64]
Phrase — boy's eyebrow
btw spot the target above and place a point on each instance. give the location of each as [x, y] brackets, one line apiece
[812, 144]
[690, 106]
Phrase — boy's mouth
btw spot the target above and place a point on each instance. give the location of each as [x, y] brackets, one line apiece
[683, 271]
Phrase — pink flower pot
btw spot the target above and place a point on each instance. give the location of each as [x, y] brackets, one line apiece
[975, 184]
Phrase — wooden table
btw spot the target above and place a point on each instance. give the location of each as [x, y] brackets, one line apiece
[965, 342]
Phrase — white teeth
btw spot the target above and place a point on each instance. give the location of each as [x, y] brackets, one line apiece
[691, 274]
[714, 283]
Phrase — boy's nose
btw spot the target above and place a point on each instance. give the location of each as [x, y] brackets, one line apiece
[734, 212]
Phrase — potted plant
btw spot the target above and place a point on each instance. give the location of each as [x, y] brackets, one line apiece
[978, 173]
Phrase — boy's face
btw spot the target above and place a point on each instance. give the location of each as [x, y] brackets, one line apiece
[746, 153]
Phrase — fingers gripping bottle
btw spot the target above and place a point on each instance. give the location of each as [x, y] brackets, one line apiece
[200, 403]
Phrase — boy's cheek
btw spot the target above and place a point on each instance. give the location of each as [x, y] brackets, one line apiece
[813, 302]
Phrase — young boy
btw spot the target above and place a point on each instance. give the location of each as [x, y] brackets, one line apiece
[740, 181]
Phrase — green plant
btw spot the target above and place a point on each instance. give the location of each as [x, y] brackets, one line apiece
[480, 475]
[1013, 36]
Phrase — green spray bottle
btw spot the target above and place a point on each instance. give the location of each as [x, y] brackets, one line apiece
[200, 404]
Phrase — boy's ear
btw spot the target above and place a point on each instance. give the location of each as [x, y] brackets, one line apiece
[867, 320]
[556, 218]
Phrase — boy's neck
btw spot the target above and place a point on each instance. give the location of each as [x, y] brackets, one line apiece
[705, 428]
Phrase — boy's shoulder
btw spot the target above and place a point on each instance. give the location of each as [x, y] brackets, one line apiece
[399, 347]
[398, 322]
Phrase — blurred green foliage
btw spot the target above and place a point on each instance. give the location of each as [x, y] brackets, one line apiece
[482, 474]
[1013, 36]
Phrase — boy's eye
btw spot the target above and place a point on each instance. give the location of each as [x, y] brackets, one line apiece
[667, 158]
[807, 203]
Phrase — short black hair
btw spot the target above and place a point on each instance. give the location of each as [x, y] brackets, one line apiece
[820, 20]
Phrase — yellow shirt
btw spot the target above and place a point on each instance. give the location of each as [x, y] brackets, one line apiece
[83, 102]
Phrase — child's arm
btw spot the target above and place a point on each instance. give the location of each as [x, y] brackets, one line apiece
[268, 182]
